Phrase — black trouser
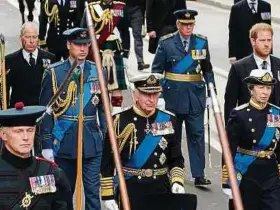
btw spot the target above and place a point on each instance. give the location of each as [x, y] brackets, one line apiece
[136, 17]
[259, 192]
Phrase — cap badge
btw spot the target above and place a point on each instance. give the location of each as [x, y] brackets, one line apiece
[187, 15]
[83, 34]
[267, 78]
[151, 80]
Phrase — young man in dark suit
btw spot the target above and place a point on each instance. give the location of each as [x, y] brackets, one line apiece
[237, 93]
[243, 16]
[25, 68]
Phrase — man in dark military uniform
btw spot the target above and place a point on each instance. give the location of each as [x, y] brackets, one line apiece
[61, 15]
[28, 182]
[184, 58]
[253, 133]
[148, 148]
[59, 131]
[112, 24]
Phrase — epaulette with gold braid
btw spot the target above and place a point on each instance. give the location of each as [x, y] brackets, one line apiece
[167, 36]
[168, 112]
[243, 106]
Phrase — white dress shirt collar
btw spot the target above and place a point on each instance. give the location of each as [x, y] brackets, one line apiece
[26, 55]
[259, 62]
[256, 4]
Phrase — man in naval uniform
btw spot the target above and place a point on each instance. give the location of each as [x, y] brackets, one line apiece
[28, 182]
[253, 134]
[55, 17]
[150, 153]
[59, 131]
[185, 60]
[112, 24]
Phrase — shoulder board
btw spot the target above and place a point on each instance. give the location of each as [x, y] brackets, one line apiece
[274, 106]
[168, 112]
[91, 62]
[94, 2]
[123, 110]
[243, 106]
[167, 36]
[201, 36]
[46, 160]
[56, 64]
[118, 2]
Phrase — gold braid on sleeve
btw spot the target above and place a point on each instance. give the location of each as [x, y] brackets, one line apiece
[53, 14]
[61, 105]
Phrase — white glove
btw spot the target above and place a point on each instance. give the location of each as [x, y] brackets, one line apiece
[48, 154]
[177, 188]
[228, 192]
[110, 205]
[209, 103]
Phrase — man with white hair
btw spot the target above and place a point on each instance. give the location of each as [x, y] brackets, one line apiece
[150, 153]
[25, 68]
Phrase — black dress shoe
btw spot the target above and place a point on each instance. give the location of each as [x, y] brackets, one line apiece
[201, 182]
[142, 66]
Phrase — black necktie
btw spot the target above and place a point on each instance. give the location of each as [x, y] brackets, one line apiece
[185, 44]
[31, 60]
[264, 65]
[253, 7]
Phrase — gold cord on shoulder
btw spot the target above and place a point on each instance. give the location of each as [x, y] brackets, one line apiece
[105, 18]
[128, 131]
[53, 14]
[61, 105]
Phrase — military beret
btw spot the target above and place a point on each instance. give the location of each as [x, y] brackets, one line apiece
[185, 15]
[21, 115]
[77, 35]
[260, 77]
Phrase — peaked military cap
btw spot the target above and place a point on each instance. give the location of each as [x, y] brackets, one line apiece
[185, 15]
[147, 82]
[166, 201]
[261, 77]
[21, 115]
[77, 35]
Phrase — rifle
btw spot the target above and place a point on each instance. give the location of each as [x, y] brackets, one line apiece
[107, 109]
[226, 150]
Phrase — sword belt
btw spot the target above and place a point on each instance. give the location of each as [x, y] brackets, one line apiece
[183, 77]
[259, 154]
[75, 118]
[145, 172]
